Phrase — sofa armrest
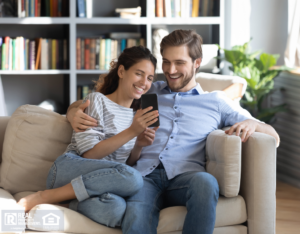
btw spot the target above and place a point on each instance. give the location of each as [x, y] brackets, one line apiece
[258, 182]
[223, 161]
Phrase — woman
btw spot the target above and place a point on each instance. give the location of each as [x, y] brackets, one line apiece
[93, 171]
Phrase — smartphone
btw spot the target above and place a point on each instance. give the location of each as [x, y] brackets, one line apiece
[150, 100]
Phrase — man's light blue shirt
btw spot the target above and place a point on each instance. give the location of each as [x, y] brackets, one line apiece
[186, 119]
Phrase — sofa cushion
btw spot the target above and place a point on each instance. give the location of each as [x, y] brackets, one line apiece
[230, 211]
[34, 138]
[223, 161]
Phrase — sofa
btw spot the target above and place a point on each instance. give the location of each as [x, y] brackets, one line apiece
[32, 138]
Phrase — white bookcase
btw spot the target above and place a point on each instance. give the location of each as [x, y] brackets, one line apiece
[61, 85]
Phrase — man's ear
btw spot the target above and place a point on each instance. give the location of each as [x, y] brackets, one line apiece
[121, 70]
[198, 62]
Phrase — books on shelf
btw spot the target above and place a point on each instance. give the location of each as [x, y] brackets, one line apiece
[37, 8]
[19, 54]
[85, 8]
[183, 8]
[128, 13]
[97, 53]
[84, 90]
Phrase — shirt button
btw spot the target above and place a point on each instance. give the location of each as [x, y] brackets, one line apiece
[179, 94]
[167, 148]
[160, 157]
[175, 120]
[172, 137]
[175, 107]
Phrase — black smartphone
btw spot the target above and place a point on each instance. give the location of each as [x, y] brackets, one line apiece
[150, 100]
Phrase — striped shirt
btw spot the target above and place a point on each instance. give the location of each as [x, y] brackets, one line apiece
[112, 119]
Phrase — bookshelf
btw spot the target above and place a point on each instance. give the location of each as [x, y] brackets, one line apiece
[103, 21]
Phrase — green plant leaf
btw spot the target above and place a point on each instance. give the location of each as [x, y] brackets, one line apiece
[268, 113]
[254, 54]
[268, 60]
[267, 77]
[234, 57]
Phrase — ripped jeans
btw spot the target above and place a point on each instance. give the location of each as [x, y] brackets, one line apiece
[100, 186]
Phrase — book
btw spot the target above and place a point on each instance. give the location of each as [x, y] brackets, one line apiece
[10, 55]
[32, 54]
[102, 54]
[82, 53]
[27, 54]
[159, 8]
[1, 42]
[89, 8]
[107, 53]
[195, 8]
[50, 54]
[6, 41]
[97, 54]
[87, 53]
[81, 8]
[38, 54]
[65, 55]
[36, 8]
[168, 8]
[177, 8]
[151, 8]
[78, 54]
[123, 44]
[44, 55]
[53, 54]
[3, 56]
[92, 53]
[59, 8]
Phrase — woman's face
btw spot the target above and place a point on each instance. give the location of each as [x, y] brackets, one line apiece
[137, 79]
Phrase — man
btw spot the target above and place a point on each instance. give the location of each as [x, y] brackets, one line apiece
[173, 167]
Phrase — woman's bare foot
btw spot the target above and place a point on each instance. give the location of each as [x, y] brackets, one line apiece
[32, 200]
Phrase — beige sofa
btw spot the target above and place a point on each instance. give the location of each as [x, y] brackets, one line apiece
[246, 172]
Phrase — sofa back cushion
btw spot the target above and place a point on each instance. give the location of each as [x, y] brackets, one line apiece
[34, 138]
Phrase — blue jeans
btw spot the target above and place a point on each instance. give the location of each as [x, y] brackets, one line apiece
[99, 185]
[198, 191]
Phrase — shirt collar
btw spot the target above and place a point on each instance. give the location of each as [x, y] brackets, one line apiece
[196, 90]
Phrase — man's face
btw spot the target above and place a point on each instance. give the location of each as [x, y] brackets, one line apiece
[179, 68]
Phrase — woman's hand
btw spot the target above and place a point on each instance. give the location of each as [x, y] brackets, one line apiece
[78, 119]
[146, 138]
[142, 120]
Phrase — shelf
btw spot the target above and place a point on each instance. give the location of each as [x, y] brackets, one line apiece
[35, 20]
[194, 20]
[91, 71]
[147, 20]
[35, 72]
[111, 20]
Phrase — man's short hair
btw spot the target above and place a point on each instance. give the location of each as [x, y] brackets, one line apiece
[184, 37]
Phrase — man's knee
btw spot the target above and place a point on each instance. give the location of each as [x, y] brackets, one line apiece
[204, 183]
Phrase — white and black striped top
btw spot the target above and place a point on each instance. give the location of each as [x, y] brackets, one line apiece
[112, 119]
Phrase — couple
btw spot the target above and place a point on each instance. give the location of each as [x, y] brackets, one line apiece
[150, 168]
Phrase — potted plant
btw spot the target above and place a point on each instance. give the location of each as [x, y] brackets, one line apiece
[259, 70]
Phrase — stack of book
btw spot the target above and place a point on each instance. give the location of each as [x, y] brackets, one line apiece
[97, 53]
[18, 54]
[84, 90]
[183, 8]
[37, 8]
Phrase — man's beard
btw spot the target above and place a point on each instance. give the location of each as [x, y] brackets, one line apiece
[184, 81]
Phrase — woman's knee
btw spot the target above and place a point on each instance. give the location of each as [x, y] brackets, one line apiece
[134, 179]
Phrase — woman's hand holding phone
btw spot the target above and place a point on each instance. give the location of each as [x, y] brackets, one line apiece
[142, 120]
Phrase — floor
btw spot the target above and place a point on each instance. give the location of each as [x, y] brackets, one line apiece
[288, 209]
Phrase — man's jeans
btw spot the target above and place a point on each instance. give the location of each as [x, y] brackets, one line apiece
[99, 186]
[198, 191]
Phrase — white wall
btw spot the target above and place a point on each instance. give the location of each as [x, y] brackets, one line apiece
[267, 25]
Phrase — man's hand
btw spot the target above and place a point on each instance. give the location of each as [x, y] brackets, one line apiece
[247, 127]
[78, 119]
[146, 137]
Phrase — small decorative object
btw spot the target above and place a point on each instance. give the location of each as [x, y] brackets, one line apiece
[8, 8]
[259, 70]
[158, 35]
[129, 12]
